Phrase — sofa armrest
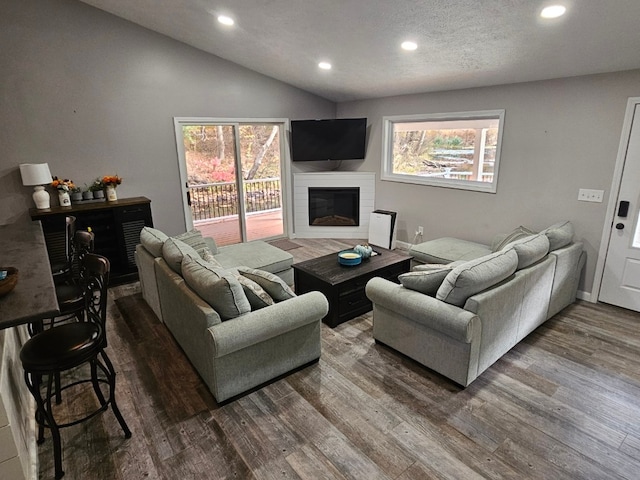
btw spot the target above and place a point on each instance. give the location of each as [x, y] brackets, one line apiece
[448, 319]
[268, 322]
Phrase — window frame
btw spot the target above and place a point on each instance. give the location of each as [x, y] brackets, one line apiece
[387, 173]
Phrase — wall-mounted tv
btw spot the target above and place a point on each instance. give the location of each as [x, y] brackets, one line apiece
[338, 139]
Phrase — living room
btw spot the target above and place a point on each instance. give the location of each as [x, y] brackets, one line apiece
[95, 94]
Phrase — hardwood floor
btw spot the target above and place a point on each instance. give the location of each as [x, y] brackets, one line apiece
[563, 404]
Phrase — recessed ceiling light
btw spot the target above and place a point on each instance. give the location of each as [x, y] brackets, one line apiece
[553, 11]
[324, 65]
[223, 19]
[409, 45]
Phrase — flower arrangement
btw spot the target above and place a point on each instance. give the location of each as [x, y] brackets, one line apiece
[65, 185]
[111, 181]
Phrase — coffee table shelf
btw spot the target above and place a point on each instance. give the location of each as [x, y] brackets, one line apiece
[344, 286]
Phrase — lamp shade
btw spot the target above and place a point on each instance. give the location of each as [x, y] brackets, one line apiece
[35, 174]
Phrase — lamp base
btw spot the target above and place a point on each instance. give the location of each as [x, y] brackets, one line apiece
[41, 198]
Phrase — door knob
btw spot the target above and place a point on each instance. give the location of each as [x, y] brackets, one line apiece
[619, 226]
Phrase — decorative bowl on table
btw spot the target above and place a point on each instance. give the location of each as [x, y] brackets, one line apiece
[9, 281]
[349, 258]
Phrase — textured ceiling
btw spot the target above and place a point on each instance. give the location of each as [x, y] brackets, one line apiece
[462, 43]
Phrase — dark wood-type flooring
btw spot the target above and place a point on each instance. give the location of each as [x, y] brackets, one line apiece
[563, 404]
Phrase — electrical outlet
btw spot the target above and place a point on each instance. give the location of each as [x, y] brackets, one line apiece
[420, 230]
[587, 195]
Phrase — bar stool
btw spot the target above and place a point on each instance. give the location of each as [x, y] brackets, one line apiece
[65, 347]
[61, 255]
[70, 292]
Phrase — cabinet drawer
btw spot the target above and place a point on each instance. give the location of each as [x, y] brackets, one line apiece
[353, 301]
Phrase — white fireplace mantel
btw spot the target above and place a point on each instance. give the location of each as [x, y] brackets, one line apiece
[366, 181]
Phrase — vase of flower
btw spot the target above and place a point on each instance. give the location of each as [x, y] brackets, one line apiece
[110, 183]
[64, 187]
[65, 201]
[111, 193]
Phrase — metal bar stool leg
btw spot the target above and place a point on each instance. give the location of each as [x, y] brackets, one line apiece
[96, 383]
[112, 394]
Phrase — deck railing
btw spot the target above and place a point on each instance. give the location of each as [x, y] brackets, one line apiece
[214, 200]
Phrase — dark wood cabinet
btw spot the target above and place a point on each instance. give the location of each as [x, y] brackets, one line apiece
[116, 226]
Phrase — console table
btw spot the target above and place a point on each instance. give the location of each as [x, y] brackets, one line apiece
[344, 286]
[116, 226]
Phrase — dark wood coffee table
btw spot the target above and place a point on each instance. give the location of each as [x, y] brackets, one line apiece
[344, 286]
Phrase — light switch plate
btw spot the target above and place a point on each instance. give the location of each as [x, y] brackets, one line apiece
[587, 195]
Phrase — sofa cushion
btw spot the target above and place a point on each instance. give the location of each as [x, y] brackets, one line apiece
[502, 240]
[447, 249]
[194, 239]
[559, 235]
[256, 254]
[217, 287]
[425, 281]
[273, 284]
[173, 251]
[530, 249]
[257, 296]
[153, 240]
[477, 275]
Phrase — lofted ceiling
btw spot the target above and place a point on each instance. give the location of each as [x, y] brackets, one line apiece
[461, 43]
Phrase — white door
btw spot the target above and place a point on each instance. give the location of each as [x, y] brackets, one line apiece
[621, 276]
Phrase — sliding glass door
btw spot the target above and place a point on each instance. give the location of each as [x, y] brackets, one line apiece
[232, 178]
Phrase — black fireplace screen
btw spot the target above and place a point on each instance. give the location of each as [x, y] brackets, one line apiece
[334, 206]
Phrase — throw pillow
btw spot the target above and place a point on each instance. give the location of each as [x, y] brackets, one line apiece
[425, 281]
[173, 251]
[208, 256]
[559, 235]
[503, 240]
[153, 240]
[273, 284]
[217, 287]
[530, 249]
[257, 296]
[194, 239]
[476, 275]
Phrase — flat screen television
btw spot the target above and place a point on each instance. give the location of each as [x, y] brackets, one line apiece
[337, 139]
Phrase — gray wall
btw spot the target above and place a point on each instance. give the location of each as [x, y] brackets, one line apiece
[559, 136]
[95, 95]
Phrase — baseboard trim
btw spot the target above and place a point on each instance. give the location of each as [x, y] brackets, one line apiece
[586, 296]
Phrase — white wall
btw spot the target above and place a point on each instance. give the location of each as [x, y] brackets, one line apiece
[92, 95]
[559, 136]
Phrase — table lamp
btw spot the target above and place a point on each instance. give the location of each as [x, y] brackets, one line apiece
[36, 175]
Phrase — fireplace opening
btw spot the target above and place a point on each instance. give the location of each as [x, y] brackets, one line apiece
[334, 206]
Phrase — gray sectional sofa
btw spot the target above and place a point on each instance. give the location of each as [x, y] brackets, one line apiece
[239, 326]
[463, 313]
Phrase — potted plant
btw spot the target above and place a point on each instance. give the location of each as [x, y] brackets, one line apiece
[87, 193]
[97, 188]
[76, 194]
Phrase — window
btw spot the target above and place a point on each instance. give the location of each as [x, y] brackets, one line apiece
[455, 150]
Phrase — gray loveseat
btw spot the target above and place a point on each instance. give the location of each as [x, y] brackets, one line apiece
[459, 318]
[233, 344]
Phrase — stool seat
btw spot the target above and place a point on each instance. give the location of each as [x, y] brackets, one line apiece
[61, 348]
[69, 294]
